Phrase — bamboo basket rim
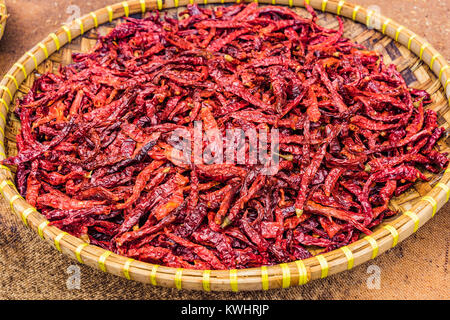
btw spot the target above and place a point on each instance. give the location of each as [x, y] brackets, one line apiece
[3, 17]
[284, 275]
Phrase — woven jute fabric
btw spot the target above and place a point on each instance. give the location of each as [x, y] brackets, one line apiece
[31, 269]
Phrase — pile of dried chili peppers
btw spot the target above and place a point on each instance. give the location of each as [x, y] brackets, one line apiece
[95, 156]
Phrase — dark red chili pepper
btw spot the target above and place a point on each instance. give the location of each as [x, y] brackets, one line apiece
[332, 179]
[141, 181]
[204, 254]
[310, 172]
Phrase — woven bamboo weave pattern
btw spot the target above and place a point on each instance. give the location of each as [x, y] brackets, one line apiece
[421, 66]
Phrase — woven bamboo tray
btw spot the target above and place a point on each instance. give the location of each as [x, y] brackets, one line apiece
[421, 65]
[3, 17]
